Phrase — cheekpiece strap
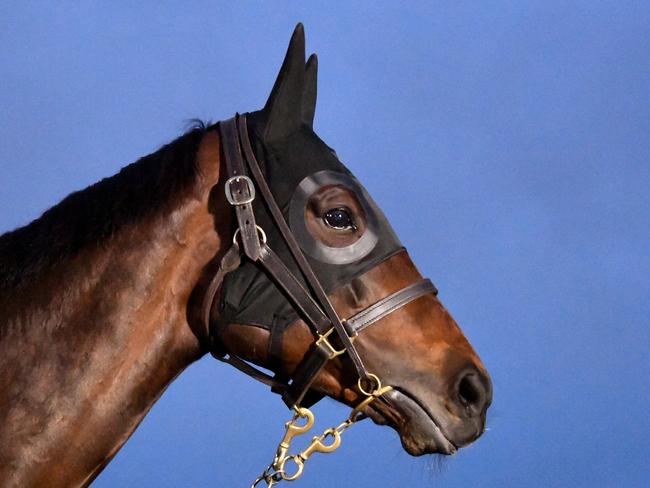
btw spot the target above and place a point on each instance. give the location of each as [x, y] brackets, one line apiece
[239, 188]
[294, 247]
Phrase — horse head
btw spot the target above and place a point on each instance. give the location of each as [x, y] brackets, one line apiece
[401, 334]
[308, 281]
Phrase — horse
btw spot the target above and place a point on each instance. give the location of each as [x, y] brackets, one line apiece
[247, 239]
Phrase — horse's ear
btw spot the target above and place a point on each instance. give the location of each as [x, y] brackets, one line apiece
[309, 92]
[284, 107]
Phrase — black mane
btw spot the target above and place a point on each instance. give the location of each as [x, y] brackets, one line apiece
[88, 217]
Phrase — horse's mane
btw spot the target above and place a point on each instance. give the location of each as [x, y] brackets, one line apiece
[90, 216]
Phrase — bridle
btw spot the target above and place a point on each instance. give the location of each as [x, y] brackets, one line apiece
[335, 336]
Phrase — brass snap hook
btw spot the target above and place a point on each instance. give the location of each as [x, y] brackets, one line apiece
[300, 466]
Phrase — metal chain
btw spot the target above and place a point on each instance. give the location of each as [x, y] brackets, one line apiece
[276, 471]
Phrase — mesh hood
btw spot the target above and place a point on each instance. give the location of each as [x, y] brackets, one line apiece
[249, 295]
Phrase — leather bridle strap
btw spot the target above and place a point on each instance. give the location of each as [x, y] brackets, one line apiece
[293, 393]
[300, 297]
[296, 252]
[322, 350]
[317, 359]
[240, 191]
[316, 309]
[229, 262]
[388, 305]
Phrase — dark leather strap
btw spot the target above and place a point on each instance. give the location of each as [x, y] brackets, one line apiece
[297, 253]
[240, 191]
[229, 262]
[300, 297]
[253, 372]
[388, 305]
[274, 349]
[305, 374]
[317, 358]
[317, 312]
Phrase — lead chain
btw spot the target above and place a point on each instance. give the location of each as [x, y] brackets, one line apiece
[276, 472]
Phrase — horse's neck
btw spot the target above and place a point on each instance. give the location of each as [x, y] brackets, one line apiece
[85, 361]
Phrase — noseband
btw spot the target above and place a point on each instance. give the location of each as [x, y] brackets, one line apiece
[335, 335]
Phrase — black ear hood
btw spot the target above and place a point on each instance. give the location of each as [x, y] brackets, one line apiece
[296, 162]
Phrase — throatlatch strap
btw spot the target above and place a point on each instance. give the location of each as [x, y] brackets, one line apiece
[253, 372]
[229, 262]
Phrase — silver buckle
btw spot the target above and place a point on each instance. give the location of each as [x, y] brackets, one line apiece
[232, 198]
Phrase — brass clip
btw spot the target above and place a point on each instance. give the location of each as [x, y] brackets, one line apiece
[276, 471]
[293, 430]
[316, 445]
[323, 339]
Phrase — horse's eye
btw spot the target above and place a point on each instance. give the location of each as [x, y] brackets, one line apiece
[339, 218]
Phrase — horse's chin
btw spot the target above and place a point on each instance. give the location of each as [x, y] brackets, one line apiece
[418, 429]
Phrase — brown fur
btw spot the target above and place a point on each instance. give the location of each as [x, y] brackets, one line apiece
[90, 346]
[94, 339]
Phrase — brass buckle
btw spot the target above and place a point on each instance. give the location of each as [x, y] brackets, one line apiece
[323, 340]
[239, 200]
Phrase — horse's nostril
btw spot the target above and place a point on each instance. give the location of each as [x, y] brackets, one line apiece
[472, 392]
[467, 391]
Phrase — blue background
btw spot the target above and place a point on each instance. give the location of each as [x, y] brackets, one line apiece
[506, 141]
